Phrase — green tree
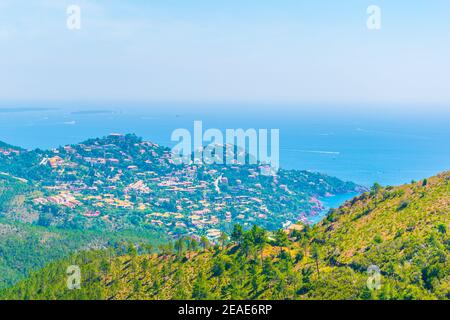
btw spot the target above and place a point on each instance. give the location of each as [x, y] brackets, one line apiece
[105, 267]
[442, 228]
[223, 239]
[131, 250]
[204, 243]
[218, 268]
[179, 246]
[259, 237]
[376, 188]
[281, 239]
[299, 257]
[200, 288]
[148, 248]
[193, 244]
[315, 254]
[237, 234]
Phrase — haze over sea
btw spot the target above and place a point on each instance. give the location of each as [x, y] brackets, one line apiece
[364, 147]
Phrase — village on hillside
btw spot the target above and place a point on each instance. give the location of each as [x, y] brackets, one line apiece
[121, 181]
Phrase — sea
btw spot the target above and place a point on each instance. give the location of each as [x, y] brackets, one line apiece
[365, 145]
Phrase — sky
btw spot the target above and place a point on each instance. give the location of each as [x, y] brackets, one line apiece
[253, 51]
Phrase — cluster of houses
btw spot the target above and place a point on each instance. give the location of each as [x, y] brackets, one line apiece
[9, 151]
[138, 180]
[62, 199]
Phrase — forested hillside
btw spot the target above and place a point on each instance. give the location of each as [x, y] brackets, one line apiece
[120, 188]
[27, 243]
[401, 231]
[24, 247]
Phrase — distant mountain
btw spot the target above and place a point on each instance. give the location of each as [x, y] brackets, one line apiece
[390, 243]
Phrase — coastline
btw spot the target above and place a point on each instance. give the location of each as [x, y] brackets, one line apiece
[331, 202]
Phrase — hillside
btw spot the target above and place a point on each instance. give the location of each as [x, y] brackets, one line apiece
[123, 182]
[25, 247]
[404, 231]
[28, 243]
[102, 191]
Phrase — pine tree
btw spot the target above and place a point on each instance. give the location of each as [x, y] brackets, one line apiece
[200, 289]
[179, 246]
[281, 239]
[204, 242]
[236, 235]
[223, 238]
[315, 254]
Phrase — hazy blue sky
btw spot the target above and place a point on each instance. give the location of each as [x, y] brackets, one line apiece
[242, 51]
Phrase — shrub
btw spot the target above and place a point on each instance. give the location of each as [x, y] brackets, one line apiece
[442, 228]
[218, 268]
[299, 257]
[378, 239]
[403, 205]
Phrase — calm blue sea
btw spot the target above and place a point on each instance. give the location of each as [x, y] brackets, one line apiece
[364, 147]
